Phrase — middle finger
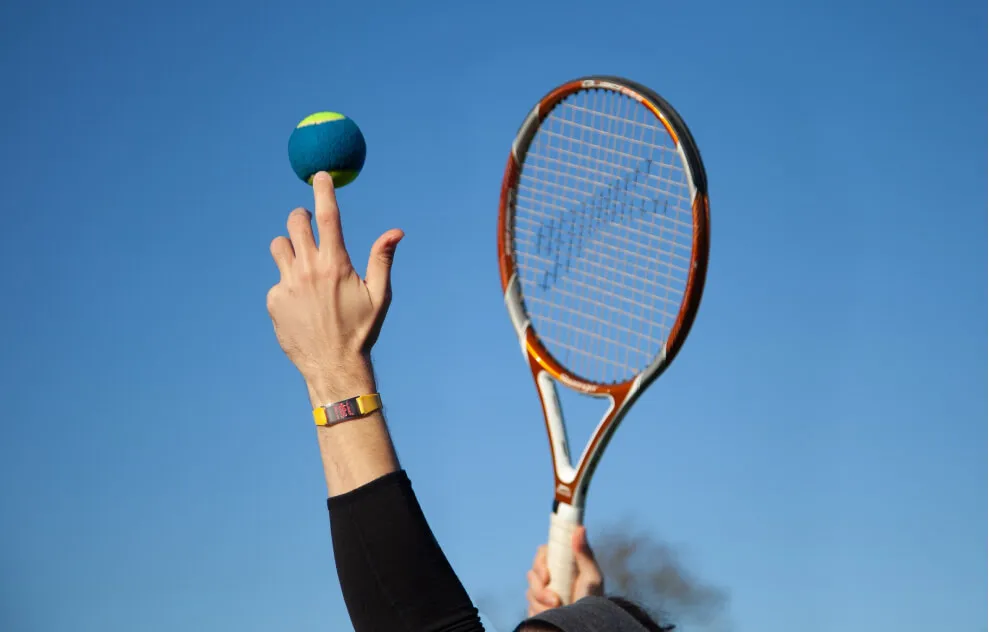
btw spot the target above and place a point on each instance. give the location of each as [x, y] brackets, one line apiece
[300, 232]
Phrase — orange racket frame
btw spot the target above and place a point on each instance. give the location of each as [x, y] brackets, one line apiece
[570, 484]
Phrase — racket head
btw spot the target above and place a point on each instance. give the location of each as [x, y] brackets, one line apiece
[554, 179]
[603, 240]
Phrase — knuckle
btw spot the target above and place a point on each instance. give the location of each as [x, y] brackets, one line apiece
[305, 274]
[272, 298]
[325, 212]
[339, 267]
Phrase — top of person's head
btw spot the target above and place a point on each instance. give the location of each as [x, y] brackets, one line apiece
[595, 614]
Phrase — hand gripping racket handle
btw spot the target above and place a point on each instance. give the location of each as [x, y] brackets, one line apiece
[559, 551]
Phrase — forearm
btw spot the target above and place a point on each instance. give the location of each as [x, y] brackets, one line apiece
[393, 573]
[354, 452]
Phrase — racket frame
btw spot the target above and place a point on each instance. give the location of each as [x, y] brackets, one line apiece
[571, 482]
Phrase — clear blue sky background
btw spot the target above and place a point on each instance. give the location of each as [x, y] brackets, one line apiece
[818, 448]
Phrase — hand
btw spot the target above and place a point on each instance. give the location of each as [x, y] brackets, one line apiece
[326, 317]
[588, 580]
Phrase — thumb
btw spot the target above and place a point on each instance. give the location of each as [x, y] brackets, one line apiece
[378, 277]
[583, 554]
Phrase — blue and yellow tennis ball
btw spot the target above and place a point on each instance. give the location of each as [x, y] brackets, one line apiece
[327, 141]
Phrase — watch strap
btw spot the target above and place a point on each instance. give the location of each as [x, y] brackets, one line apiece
[345, 410]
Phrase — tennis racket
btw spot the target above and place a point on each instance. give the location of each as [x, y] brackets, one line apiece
[603, 243]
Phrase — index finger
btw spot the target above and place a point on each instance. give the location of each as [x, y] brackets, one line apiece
[540, 566]
[328, 216]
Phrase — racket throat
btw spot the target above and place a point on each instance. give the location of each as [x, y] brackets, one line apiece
[559, 442]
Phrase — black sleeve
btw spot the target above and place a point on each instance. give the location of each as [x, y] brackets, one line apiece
[393, 573]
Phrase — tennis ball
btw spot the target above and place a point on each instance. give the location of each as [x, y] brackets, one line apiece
[327, 141]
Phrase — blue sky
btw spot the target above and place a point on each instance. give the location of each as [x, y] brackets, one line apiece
[817, 449]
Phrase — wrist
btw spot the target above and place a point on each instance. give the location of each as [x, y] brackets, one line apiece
[343, 381]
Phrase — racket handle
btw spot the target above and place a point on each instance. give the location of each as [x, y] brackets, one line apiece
[559, 550]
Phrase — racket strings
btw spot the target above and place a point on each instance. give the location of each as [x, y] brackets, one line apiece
[602, 235]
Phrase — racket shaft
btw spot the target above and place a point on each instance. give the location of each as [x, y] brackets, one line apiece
[559, 551]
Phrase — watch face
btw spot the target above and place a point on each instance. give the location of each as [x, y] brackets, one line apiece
[343, 409]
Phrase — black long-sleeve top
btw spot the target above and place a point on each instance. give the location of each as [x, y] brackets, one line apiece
[393, 573]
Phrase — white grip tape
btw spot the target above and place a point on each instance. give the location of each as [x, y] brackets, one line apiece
[559, 551]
